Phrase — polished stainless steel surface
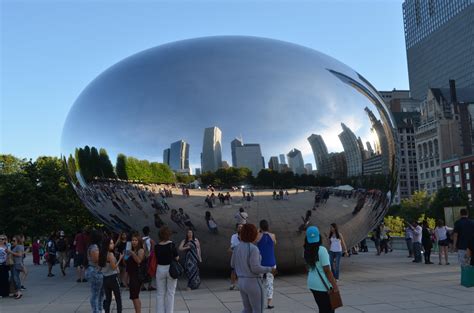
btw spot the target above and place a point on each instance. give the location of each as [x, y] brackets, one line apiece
[276, 94]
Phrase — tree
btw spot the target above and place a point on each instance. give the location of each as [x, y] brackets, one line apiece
[37, 199]
[120, 167]
[447, 197]
[416, 205]
[106, 167]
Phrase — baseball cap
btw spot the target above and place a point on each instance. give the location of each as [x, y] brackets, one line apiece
[312, 234]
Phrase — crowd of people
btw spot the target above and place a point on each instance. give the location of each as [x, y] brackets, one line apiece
[111, 262]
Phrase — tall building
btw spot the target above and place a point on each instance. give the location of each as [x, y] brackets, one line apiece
[282, 159]
[320, 152]
[381, 144]
[407, 123]
[445, 133]
[352, 151]
[295, 161]
[234, 144]
[179, 156]
[308, 168]
[211, 157]
[406, 112]
[249, 155]
[439, 37]
[197, 171]
[274, 164]
[166, 156]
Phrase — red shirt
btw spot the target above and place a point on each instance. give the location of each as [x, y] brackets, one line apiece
[81, 243]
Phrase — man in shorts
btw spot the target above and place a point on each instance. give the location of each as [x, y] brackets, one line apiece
[51, 248]
[61, 246]
[80, 242]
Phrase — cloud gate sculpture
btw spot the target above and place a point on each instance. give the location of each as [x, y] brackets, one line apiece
[287, 133]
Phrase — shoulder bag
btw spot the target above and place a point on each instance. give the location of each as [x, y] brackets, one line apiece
[334, 296]
[176, 269]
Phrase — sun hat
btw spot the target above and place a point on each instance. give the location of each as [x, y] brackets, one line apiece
[312, 234]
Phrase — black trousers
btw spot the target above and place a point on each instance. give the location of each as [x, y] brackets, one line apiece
[322, 300]
[111, 284]
[427, 254]
[4, 282]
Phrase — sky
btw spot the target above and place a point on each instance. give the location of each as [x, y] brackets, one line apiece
[51, 50]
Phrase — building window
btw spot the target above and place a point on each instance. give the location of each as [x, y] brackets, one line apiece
[456, 178]
[456, 168]
[466, 166]
[447, 170]
[438, 172]
[468, 186]
[468, 176]
[422, 176]
[448, 179]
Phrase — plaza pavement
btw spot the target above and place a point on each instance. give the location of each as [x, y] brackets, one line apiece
[369, 283]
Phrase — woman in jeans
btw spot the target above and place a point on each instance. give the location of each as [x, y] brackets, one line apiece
[319, 271]
[191, 246]
[135, 258]
[246, 261]
[93, 272]
[17, 251]
[337, 245]
[4, 268]
[110, 272]
[165, 251]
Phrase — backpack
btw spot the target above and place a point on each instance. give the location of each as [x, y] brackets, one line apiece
[61, 245]
[52, 248]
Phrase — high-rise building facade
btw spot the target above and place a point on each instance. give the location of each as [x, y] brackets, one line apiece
[406, 112]
[234, 144]
[351, 151]
[166, 156]
[274, 164]
[250, 156]
[295, 161]
[211, 157]
[439, 38]
[320, 152]
[445, 133]
[282, 159]
[179, 156]
[308, 168]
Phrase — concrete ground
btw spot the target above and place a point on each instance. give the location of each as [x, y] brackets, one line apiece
[369, 283]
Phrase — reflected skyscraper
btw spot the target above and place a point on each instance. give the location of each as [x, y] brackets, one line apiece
[320, 152]
[211, 158]
[248, 155]
[166, 156]
[295, 161]
[179, 156]
[352, 151]
[381, 144]
[274, 164]
[308, 168]
[282, 159]
[233, 144]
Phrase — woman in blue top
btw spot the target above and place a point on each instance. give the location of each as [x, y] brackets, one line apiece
[317, 261]
[266, 242]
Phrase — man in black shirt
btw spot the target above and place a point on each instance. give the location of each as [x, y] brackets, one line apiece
[463, 233]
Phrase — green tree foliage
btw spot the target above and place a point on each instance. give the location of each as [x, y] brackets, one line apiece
[120, 167]
[35, 199]
[227, 177]
[106, 167]
[144, 171]
[185, 179]
[416, 205]
[447, 197]
[396, 224]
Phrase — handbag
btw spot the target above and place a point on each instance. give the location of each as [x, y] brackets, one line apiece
[334, 296]
[176, 269]
[152, 264]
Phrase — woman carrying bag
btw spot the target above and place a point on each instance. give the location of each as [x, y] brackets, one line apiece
[321, 282]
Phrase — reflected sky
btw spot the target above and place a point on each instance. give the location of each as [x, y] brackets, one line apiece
[266, 91]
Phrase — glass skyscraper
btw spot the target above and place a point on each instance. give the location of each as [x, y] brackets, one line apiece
[439, 36]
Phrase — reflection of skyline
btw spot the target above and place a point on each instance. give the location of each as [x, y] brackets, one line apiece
[276, 101]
